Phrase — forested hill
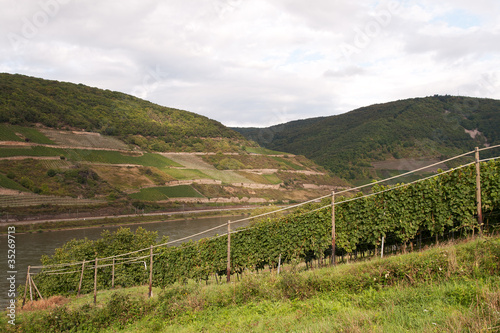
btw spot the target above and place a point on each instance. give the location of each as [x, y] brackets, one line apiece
[27, 100]
[419, 128]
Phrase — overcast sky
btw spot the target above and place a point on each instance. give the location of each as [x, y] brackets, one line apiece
[259, 62]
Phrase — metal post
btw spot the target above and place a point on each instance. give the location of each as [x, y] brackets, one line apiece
[478, 194]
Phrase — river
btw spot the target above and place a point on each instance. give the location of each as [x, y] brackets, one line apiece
[30, 247]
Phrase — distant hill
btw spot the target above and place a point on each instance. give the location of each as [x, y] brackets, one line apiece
[27, 100]
[406, 131]
[63, 144]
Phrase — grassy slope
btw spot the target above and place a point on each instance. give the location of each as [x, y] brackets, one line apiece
[419, 128]
[16, 133]
[164, 193]
[445, 289]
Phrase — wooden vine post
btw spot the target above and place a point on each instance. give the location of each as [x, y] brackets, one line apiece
[31, 290]
[382, 248]
[228, 270]
[279, 264]
[113, 274]
[95, 281]
[36, 289]
[81, 279]
[478, 194]
[26, 285]
[150, 294]
[333, 229]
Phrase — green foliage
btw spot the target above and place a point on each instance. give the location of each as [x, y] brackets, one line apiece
[229, 163]
[117, 312]
[246, 161]
[449, 287]
[437, 205]
[94, 156]
[35, 176]
[166, 192]
[111, 243]
[7, 182]
[346, 144]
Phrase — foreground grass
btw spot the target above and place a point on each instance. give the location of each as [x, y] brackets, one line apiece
[453, 288]
[448, 307]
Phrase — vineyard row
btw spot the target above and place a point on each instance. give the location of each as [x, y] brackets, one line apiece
[444, 203]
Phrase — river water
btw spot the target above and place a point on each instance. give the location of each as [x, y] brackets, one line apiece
[31, 246]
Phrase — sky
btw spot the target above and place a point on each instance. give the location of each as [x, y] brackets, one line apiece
[260, 62]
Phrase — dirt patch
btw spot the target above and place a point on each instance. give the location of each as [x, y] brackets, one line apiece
[131, 177]
[83, 139]
[43, 304]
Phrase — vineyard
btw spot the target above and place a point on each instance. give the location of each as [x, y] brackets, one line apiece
[33, 200]
[403, 214]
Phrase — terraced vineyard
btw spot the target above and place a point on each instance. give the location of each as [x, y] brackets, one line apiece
[35, 200]
[166, 192]
[41, 166]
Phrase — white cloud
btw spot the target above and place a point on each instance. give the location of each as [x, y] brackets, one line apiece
[258, 62]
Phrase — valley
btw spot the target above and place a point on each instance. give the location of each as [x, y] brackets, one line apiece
[78, 168]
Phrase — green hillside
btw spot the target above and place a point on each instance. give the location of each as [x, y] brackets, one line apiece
[72, 145]
[27, 100]
[417, 129]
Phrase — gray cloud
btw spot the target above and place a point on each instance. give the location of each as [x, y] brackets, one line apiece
[255, 62]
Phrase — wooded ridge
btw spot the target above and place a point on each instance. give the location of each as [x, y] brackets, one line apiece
[416, 129]
[27, 100]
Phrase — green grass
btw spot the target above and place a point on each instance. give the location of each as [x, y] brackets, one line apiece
[406, 293]
[400, 309]
[227, 176]
[94, 156]
[288, 163]
[186, 174]
[114, 157]
[263, 151]
[31, 151]
[8, 133]
[166, 192]
[273, 178]
[37, 200]
[10, 184]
